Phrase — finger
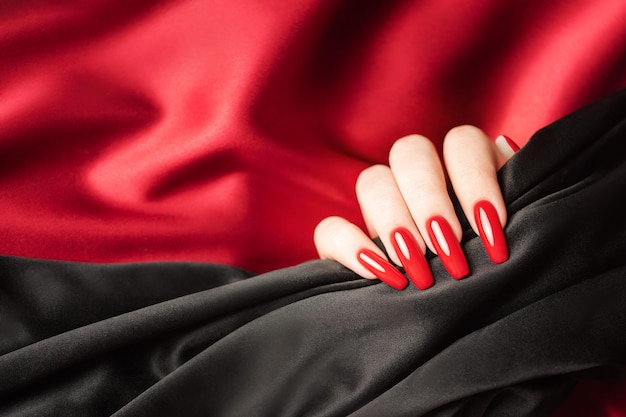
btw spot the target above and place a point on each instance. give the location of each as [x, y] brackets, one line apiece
[383, 207]
[388, 217]
[338, 239]
[472, 161]
[417, 170]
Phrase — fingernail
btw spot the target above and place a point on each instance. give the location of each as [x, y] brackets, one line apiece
[386, 272]
[412, 258]
[447, 247]
[490, 231]
[506, 146]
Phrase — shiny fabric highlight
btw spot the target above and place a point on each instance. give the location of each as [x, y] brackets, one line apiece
[199, 339]
[194, 130]
[187, 130]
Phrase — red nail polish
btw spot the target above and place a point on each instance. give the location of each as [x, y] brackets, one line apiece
[382, 269]
[490, 231]
[506, 146]
[511, 144]
[412, 258]
[447, 247]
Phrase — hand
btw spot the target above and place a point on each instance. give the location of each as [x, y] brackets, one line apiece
[406, 205]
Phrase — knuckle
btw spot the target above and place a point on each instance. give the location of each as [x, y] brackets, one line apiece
[462, 131]
[462, 144]
[409, 145]
[468, 150]
[340, 237]
[329, 235]
[459, 136]
[328, 224]
[371, 175]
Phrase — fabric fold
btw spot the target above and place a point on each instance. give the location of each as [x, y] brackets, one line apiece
[513, 339]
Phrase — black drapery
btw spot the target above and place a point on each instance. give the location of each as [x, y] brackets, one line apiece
[192, 339]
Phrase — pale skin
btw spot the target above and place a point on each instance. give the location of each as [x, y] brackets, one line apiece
[411, 189]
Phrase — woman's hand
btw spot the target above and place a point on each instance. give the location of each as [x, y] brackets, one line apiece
[406, 205]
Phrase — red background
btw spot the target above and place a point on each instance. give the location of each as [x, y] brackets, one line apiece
[225, 130]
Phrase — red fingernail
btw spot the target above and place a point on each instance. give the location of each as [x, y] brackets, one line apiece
[447, 247]
[506, 145]
[511, 144]
[412, 258]
[382, 269]
[490, 231]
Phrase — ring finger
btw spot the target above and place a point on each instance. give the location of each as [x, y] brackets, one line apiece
[417, 169]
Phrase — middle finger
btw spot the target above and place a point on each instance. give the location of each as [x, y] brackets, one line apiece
[387, 216]
[417, 170]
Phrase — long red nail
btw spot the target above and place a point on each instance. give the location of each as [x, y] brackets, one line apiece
[511, 144]
[382, 269]
[490, 231]
[412, 258]
[506, 146]
[447, 247]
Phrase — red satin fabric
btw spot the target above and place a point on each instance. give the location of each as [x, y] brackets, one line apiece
[224, 130]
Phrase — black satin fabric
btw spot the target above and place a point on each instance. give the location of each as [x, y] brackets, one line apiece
[192, 339]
